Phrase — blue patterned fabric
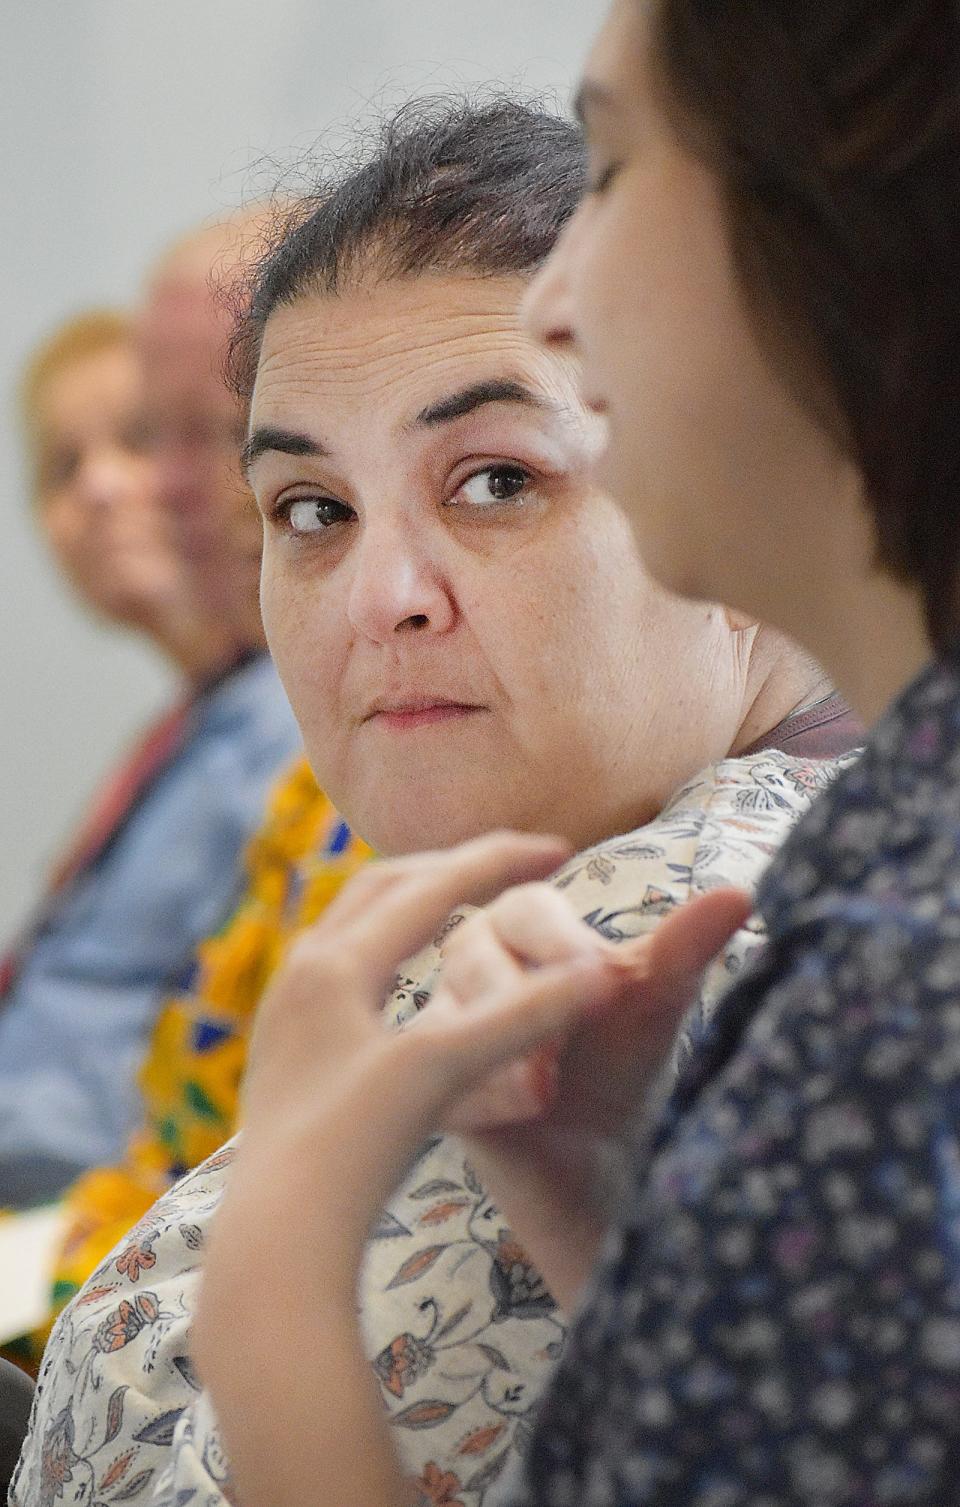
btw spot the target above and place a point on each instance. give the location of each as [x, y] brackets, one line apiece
[75, 1026]
[777, 1322]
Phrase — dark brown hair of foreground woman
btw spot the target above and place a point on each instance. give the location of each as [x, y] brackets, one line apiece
[834, 131]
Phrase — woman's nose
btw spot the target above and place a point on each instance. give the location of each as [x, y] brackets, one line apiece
[547, 309]
[397, 586]
[104, 478]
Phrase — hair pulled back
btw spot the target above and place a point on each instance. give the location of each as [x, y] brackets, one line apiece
[450, 186]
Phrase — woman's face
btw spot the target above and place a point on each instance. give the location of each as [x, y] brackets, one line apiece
[96, 498]
[709, 451]
[459, 615]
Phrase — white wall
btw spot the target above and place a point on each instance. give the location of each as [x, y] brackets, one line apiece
[122, 122]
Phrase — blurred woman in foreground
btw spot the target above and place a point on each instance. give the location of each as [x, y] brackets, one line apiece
[764, 287]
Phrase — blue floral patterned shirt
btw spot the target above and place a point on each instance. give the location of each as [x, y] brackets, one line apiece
[778, 1321]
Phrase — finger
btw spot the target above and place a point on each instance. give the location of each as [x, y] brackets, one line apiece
[662, 973]
[674, 957]
[538, 925]
[511, 1095]
[542, 1007]
[381, 875]
[408, 915]
[474, 962]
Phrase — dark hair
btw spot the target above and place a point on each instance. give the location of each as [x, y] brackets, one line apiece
[450, 186]
[833, 127]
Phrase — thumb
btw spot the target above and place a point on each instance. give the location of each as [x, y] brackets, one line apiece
[690, 938]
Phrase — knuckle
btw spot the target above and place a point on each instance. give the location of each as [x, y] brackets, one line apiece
[375, 876]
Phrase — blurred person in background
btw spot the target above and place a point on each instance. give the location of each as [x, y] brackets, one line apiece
[129, 437]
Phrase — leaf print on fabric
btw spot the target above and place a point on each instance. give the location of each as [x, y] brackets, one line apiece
[219, 1159]
[496, 1357]
[481, 1440]
[135, 1487]
[437, 1487]
[472, 1181]
[387, 1227]
[487, 1473]
[94, 1293]
[638, 850]
[134, 1259]
[416, 1265]
[117, 1470]
[185, 1366]
[192, 1236]
[436, 1186]
[441, 1212]
[423, 1415]
[114, 1415]
[453, 1322]
[160, 1430]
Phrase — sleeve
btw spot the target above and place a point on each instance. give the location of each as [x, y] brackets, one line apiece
[778, 1320]
[117, 1379]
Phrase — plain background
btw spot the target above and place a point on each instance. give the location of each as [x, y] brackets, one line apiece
[123, 122]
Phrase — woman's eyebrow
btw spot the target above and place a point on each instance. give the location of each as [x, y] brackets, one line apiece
[477, 395]
[268, 437]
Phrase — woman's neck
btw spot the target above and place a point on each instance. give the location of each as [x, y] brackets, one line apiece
[781, 680]
[871, 636]
[864, 627]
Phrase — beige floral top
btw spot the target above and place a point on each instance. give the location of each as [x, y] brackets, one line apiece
[461, 1330]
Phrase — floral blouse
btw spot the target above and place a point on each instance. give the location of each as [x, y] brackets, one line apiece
[777, 1321]
[461, 1331]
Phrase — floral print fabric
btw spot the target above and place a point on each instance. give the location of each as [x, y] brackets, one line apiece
[777, 1323]
[461, 1332]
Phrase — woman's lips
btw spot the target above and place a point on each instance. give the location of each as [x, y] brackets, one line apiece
[405, 716]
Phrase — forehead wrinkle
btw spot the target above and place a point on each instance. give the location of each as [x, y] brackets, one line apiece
[305, 371]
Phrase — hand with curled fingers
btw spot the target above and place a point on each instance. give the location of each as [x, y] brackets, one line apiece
[321, 1060]
[538, 1129]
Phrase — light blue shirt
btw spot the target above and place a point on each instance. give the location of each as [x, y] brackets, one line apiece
[75, 1027]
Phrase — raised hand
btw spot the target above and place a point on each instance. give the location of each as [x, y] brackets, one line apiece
[539, 1129]
[597, 1081]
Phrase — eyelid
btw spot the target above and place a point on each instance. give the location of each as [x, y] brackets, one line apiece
[530, 479]
[472, 468]
[289, 494]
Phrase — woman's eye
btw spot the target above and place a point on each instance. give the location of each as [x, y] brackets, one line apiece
[495, 484]
[311, 515]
